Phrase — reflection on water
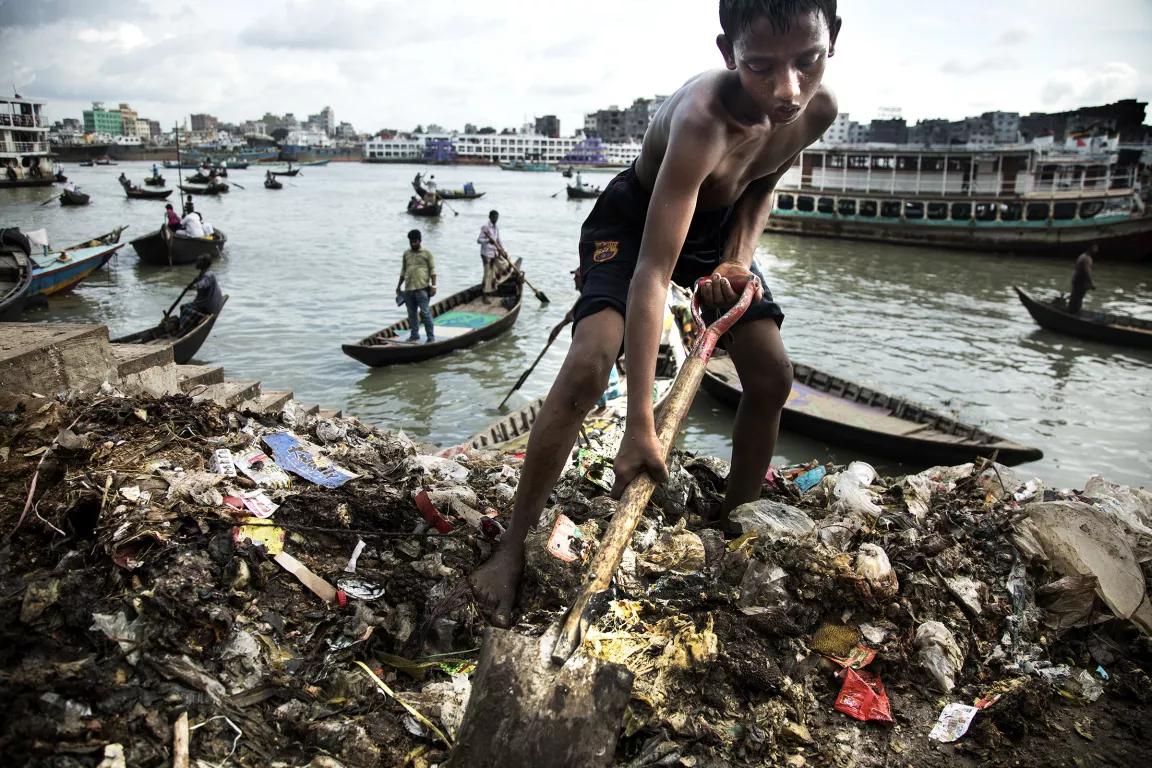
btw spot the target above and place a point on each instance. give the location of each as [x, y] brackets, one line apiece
[315, 265]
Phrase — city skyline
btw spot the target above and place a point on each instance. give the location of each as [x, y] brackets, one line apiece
[299, 56]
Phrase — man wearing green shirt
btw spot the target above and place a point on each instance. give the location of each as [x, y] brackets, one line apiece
[418, 280]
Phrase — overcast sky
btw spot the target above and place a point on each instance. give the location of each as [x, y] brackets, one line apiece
[397, 63]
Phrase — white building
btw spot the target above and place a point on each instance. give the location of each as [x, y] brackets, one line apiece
[494, 147]
[127, 141]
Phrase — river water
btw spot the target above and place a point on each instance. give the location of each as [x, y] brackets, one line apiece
[315, 265]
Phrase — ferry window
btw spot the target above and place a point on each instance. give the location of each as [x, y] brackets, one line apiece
[835, 161]
[883, 163]
[913, 210]
[890, 209]
[1037, 212]
[1011, 211]
[955, 164]
[937, 211]
[932, 164]
[817, 161]
[846, 207]
[1064, 211]
[1090, 209]
[961, 211]
[985, 211]
[805, 203]
[857, 161]
[867, 207]
[785, 202]
[826, 205]
[906, 163]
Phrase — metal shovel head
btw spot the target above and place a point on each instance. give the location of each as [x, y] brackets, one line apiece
[526, 710]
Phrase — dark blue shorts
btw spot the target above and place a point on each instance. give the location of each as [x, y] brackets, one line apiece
[610, 247]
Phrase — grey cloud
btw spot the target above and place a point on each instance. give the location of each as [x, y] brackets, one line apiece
[1013, 36]
[988, 64]
[1054, 90]
[37, 13]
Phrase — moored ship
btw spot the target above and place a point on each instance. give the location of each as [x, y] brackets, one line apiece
[1031, 199]
[24, 144]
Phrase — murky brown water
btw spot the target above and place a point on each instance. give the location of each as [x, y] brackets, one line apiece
[315, 265]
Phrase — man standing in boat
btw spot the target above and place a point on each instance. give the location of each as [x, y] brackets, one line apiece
[418, 281]
[1082, 279]
[692, 207]
[490, 247]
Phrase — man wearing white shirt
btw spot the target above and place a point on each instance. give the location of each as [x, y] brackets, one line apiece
[192, 226]
[490, 247]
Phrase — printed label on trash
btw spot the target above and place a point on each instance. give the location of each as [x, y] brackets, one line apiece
[222, 463]
[258, 503]
[858, 658]
[810, 478]
[260, 467]
[304, 459]
[863, 697]
[953, 723]
[567, 541]
[260, 533]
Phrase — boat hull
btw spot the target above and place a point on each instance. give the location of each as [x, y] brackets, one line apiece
[15, 183]
[386, 348]
[185, 347]
[1088, 325]
[427, 211]
[575, 193]
[63, 270]
[147, 194]
[865, 420]
[451, 194]
[165, 250]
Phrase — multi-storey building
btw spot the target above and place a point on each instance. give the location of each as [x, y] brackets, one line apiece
[101, 120]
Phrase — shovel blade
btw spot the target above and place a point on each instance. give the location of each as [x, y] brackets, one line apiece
[526, 710]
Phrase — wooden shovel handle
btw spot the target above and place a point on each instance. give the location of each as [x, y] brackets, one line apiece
[639, 491]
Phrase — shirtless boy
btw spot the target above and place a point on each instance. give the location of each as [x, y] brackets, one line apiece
[692, 205]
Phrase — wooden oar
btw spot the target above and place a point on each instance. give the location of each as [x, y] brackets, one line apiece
[236, 185]
[524, 376]
[54, 197]
[454, 211]
[540, 295]
[186, 289]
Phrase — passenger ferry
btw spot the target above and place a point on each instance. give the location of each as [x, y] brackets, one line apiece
[1039, 199]
[24, 144]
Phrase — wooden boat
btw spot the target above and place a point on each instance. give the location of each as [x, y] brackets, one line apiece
[60, 178]
[135, 193]
[15, 273]
[154, 181]
[459, 194]
[86, 163]
[108, 238]
[291, 172]
[184, 345]
[510, 433]
[273, 184]
[315, 163]
[58, 271]
[105, 161]
[520, 165]
[215, 189]
[162, 248]
[583, 193]
[426, 210]
[1095, 326]
[461, 320]
[840, 412]
[71, 197]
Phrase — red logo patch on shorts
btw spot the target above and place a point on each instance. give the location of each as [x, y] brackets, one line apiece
[605, 250]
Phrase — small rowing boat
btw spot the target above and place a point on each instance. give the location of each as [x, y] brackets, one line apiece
[73, 197]
[135, 193]
[15, 273]
[185, 342]
[58, 271]
[1095, 326]
[162, 248]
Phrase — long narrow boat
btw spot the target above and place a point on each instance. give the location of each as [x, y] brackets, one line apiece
[292, 172]
[315, 164]
[840, 412]
[15, 273]
[108, 238]
[72, 197]
[184, 345]
[584, 192]
[459, 321]
[215, 189]
[162, 248]
[426, 211]
[1096, 326]
[155, 181]
[134, 193]
[58, 271]
[510, 433]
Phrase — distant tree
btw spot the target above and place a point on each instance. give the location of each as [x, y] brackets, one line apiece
[486, 130]
[419, 129]
[280, 134]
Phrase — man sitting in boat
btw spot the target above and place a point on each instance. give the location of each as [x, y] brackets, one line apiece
[209, 298]
[415, 203]
[469, 188]
[418, 281]
[193, 226]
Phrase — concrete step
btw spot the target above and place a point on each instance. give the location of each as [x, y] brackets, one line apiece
[193, 375]
[310, 408]
[137, 358]
[328, 413]
[228, 394]
[266, 402]
[49, 358]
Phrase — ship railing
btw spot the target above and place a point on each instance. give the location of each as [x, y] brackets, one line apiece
[20, 121]
[30, 146]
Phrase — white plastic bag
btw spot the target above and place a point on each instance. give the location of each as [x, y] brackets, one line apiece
[939, 653]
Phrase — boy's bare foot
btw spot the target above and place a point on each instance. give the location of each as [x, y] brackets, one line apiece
[496, 582]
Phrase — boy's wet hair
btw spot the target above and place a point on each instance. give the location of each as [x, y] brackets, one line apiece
[736, 16]
[414, 234]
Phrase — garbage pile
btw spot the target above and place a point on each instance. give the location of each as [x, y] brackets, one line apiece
[182, 584]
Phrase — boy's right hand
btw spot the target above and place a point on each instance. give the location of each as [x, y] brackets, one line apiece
[638, 453]
[723, 287]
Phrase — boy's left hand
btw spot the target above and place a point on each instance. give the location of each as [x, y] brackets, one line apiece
[723, 287]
